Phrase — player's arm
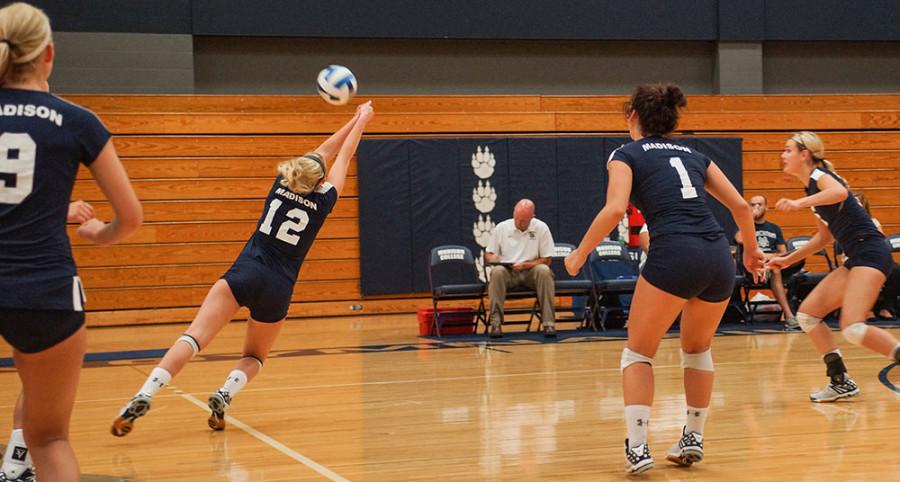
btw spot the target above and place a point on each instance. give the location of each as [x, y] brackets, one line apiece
[110, 175]
[338, 172]
[820, 240]
[332, 145]
[617, 194]
[718, 185]
[830, 192]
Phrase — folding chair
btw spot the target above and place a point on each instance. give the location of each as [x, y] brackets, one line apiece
[568, 285]
[518, 293]
[452, 275]
[613, 274]
[803, 282]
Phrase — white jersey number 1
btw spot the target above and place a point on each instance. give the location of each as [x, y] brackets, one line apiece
[688, 191]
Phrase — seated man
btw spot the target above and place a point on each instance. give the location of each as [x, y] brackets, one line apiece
[524, 245]
[771, 242]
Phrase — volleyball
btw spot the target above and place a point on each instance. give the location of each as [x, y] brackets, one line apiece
[336, 84]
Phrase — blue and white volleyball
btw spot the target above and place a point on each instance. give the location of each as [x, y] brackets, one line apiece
[336, 84]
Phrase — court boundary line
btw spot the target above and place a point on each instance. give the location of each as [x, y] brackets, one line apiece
[284, 449]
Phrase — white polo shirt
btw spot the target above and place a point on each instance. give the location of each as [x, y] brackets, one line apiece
[514, 246]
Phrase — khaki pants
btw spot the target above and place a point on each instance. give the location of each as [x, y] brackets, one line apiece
[540, 279]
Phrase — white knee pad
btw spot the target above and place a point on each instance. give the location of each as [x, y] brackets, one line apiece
[697, 361]
[808, 322]
[629, 357]
[855, 333]
[191, 341]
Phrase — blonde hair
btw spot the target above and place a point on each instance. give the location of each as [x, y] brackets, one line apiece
[302, 174]
[24, 35]
[811, 142]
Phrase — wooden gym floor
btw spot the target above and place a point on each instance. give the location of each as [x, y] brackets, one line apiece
[362, 398]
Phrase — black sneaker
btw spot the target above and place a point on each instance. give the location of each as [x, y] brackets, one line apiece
[688, 450]
[218, 404]
[637, 459]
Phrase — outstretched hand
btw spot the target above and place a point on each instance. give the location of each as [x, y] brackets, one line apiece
[755, 263]
[365, 111]
[777, 263]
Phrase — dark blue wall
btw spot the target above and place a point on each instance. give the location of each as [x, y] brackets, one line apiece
[415, 194]
[691, 20]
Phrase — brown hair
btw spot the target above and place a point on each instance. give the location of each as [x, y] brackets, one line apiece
[24, 34]
[657, 107]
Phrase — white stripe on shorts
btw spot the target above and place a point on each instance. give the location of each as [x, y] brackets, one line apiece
[78, 297]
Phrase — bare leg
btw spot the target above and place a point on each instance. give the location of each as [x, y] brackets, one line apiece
[652, 314]
[260, 339]
[777, 285]
[49, 383]
[825, 298]
[698, 325]
[216, 311]
[862, 289]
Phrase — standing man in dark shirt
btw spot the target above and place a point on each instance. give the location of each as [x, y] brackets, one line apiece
[771, 242]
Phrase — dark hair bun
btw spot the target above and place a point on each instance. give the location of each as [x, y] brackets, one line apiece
[674, 96]
[657, 107]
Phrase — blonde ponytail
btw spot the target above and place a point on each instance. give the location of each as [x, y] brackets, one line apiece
[302, 174]
[811, 142]
[24, 35]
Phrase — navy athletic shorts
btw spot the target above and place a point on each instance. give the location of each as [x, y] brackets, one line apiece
[872, 252]
[33, 331]
[266, 293]
[691, 267]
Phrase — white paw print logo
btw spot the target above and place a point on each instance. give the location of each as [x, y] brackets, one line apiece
[484, 196]
[482, 230]
[483, 163]
[479, 265]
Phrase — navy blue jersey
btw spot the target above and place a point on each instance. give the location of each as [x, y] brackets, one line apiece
[43, 140]
[768, 236]
[847, 220]
[288, 227]
[668, 187]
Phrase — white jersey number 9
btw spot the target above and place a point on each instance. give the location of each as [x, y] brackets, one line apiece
[17, 153]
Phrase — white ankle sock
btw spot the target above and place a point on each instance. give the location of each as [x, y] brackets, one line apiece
[637, 417]
[234, 383]
[696, 419]
[158, 378]
[17, 458]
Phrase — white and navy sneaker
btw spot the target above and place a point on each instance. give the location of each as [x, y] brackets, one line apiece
[124, 423]
[218, 404]
[26, 476]
[688, 450]
[637, 459]
[836, 391]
